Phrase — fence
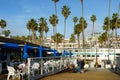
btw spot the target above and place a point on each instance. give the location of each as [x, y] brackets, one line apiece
[41, 67]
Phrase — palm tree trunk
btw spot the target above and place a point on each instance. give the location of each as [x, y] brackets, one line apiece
[53, 35]
[56, 26]
[29, 36]
[56, 36]
[93, 30]
[83, 24]
[55, 8]
[116, 26]
[96, 64]
[46, 35]
[32, 36]
[64, 32]
[83, 35]
[108, 26]
[78, 40]
[82, 7]
[57, 46]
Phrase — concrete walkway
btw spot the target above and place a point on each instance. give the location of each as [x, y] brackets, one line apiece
[91, 74]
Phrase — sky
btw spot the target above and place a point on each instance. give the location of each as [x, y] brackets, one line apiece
[18, 12]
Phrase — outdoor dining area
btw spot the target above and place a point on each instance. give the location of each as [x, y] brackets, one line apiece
[14, 55]
[21, 60]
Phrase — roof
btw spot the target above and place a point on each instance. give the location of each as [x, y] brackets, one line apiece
[11, 40]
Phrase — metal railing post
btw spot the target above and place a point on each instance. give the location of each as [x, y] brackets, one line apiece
[28, 68]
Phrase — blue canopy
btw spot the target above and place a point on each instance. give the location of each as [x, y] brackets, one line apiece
[40, 51]
[10, 45]
[25, 55]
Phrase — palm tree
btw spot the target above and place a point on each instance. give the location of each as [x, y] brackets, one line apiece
[23, 38]
[108, 26]
[82, 6]
[46, 30]
[41, 29]
[53, 21]
[59, 38]
[72, 39]
[115, 23]
[83, 25]
[93, 19]
[2, 24]
[77, 31]
[102, 38]
[33, 26]
[29, 29]
[75, 19]
[65, 12]
[6, 33]
[81, 22]
[105, 26]
[55, 1]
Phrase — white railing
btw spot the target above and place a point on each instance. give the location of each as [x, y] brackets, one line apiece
[40, 67]
[93, 50]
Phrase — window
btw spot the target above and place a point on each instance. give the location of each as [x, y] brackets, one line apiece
[83, 55]
[93, 55]
[97, 55]
[76, 50]
[70, 46]
[88, 55]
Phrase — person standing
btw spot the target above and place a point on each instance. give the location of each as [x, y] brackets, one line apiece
[79, 64]
[82, 65]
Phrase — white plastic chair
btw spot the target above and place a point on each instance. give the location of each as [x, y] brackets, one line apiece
[86, 66]
[35, 66]
[23, 69]
[12, 72]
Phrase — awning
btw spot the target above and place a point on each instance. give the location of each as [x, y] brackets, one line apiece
[10, 45]
[25, 55]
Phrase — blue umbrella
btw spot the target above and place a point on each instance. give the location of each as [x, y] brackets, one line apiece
[40, 51]
[64, 53]
[25, 55]
[71, 54]
[54, 53]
